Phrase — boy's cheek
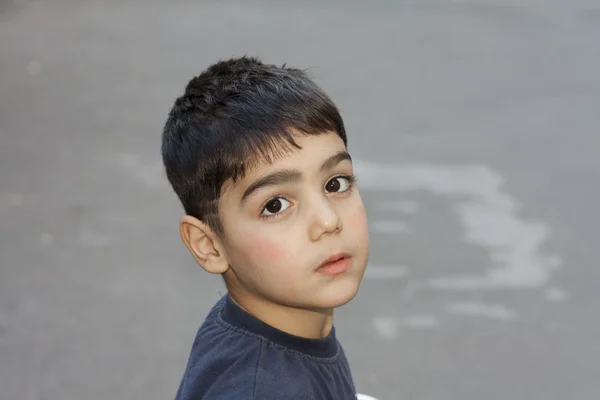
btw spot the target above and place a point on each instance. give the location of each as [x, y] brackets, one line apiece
[263, 249]
[357, 220]
[357, 224]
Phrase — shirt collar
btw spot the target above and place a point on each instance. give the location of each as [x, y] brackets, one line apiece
[233, 314]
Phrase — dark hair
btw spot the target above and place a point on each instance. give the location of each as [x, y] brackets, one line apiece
[233, 115]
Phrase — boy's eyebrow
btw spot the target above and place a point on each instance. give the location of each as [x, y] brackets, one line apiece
[276, 178]
[292, 175]
[336, 159]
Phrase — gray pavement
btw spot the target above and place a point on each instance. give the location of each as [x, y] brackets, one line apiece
[474, 124]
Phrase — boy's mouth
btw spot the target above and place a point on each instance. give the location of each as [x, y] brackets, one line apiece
[335, 264]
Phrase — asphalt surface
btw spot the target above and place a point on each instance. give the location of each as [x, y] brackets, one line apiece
[474, 124]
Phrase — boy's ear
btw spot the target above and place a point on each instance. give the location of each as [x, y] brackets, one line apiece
[203, 244]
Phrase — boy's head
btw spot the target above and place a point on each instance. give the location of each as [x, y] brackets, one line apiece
[257, 155]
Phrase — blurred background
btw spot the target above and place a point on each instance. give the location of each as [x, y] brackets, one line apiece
[474, 125]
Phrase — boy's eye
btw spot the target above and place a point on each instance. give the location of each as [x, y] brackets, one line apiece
[275, 206]
[338, 184]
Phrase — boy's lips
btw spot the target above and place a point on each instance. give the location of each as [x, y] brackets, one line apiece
[335, 264]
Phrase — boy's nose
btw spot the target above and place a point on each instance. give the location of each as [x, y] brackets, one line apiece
[325, 220]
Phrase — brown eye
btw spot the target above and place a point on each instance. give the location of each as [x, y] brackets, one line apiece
[333, 185]
[338, 184]
[275, 206]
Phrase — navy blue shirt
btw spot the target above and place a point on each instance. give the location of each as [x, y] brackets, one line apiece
[235, 356]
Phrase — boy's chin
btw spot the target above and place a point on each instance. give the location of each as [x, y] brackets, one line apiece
[334, 297]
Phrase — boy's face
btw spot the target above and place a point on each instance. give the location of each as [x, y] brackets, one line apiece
[283, 221]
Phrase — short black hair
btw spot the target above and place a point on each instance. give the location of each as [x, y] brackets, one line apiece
[235, 114]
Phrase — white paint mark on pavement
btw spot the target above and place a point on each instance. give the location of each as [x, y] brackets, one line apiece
[556, 294]
[407, 207]
[386, 327]
[420, 321]
[513, 244]
[489, 215]
[391, 227]
[497, 312]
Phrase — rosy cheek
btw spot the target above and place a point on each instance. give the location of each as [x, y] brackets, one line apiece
[357, 220]
[358, 225]
[267, 250]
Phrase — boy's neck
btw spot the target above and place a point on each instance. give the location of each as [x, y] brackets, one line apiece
[310, 324]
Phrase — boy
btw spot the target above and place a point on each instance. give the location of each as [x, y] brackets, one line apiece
[257, 155]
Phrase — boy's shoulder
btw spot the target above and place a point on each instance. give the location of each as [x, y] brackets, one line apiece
[222, 360]
[228, 361]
